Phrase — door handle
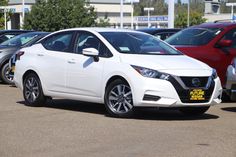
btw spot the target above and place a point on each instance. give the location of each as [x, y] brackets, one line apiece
[40, 55]
[71, 62]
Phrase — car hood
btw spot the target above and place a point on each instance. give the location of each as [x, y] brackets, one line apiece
[180, 65]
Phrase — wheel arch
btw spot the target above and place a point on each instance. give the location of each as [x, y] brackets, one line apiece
[27, 73]
[115, 77]
[111, 79]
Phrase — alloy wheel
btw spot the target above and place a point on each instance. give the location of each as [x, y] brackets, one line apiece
[31, 89]
[120, 99]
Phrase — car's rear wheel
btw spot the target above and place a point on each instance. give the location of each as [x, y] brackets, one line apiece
[32, 90]
[5, 74]
[194, 111]
[118, 99]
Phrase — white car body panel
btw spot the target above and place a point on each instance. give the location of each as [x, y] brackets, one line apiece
[79, 77]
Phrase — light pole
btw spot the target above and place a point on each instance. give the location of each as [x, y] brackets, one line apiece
[232, 8]
[171, 12]
[23, 9]
[148, 10]
[121, 13]
[5, 18]
[132, 14]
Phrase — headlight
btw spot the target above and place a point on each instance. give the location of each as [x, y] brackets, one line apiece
[151, 73]
[214, 74]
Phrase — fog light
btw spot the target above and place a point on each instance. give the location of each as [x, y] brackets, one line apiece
[151, 97]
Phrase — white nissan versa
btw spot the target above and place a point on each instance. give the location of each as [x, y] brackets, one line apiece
[123, 69]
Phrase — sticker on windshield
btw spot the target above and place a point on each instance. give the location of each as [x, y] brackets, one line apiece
[218, 32]
[124, 49]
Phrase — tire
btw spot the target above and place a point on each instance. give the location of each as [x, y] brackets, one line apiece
[118, 99]
[193, 111]
[5, 74]
[32, 91]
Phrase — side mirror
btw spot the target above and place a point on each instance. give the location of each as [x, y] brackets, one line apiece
[224, 43]
[91, 52]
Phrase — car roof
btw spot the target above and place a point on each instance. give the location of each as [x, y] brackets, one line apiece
[36, 33]
[154, 31]
[14, 31]
[215, 25]
[100, 29]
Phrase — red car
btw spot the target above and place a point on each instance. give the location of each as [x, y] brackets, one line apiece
[212, 43]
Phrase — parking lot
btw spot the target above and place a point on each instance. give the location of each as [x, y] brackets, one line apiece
[73, 128]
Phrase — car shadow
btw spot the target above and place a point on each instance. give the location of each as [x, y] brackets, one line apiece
[140, 113]
[229, 109]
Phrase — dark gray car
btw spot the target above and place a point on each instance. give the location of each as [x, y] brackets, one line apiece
[9, 47]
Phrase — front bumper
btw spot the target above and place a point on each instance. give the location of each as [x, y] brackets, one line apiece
[169, 94]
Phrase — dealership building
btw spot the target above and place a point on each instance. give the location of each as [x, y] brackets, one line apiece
[112, 9]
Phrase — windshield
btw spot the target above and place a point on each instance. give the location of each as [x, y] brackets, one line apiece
[193, 36]
[138, 43]
[19, 40]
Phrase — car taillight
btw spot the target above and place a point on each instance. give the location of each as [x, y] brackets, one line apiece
[19, 54]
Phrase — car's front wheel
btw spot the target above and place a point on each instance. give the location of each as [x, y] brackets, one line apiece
[194, 111]
[32, 90]
[118, 99]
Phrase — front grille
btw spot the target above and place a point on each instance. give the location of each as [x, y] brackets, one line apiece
[188, 81]
[184, 92]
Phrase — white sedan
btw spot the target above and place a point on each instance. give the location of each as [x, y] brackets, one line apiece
[122, 69]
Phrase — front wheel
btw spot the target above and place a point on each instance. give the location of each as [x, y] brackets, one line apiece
[118, 99]
[194, 111]
[32, 90]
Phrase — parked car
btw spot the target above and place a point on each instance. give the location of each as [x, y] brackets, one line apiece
[8, 34]
[122, 68]
[212, 43]
[9, 47]
[160, 33]
[13, 59]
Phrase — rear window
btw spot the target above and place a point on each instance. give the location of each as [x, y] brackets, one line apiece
[194, 36]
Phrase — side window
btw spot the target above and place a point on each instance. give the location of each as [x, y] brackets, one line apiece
[88, 40]
[59, 42]
[5, 37]
[231, 35]
[163, 36]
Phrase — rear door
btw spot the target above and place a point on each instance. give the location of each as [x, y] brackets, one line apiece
[53, 60]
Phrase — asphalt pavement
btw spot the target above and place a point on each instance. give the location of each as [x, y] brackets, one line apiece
[65, 128]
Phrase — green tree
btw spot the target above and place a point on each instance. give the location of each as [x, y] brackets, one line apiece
[160, 7]
[195, 19]
[54, 15]
[2, 20]
[102, 22]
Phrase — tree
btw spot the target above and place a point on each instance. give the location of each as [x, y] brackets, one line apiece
[195, 19]
[54, 15]
[102, 22]
[2, 20]
[160, 7]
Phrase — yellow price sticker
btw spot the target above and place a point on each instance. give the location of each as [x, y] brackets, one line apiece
[197, 94]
